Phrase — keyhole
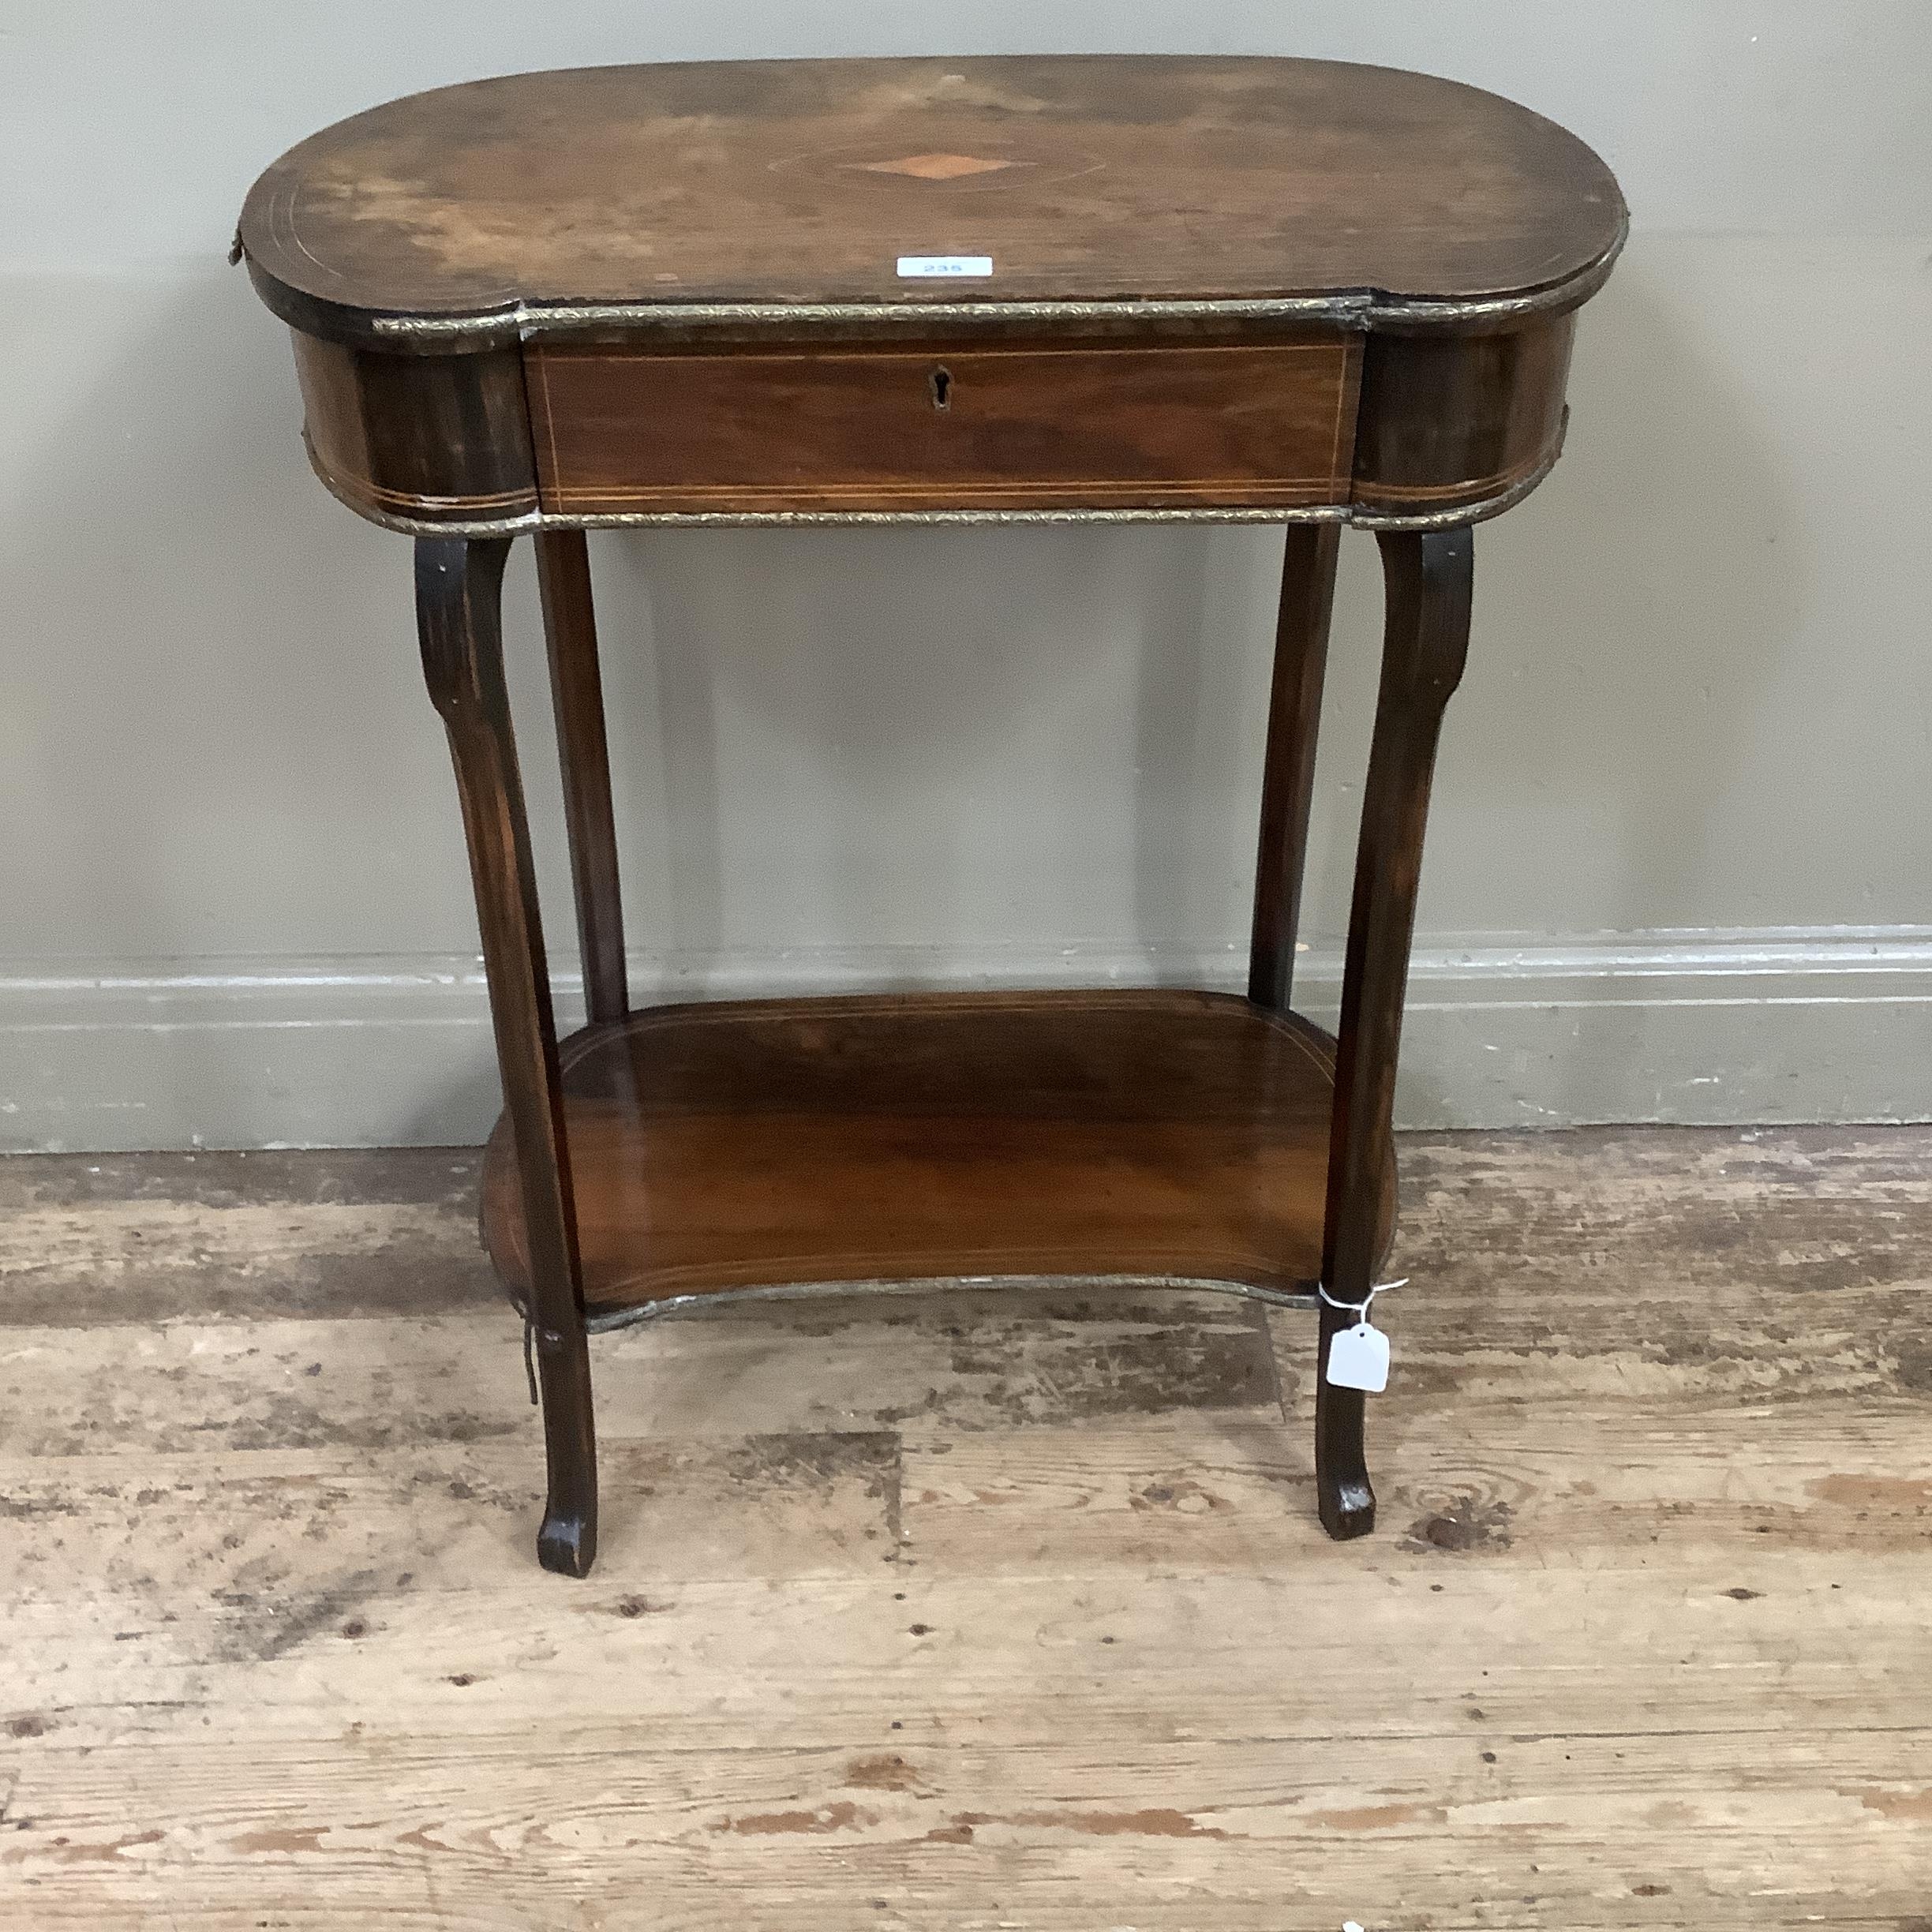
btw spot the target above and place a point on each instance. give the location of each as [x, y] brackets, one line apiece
[942, 388]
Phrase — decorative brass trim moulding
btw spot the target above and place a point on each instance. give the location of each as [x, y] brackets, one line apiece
[1367, 309]
[669, 1306]
[1355, 516]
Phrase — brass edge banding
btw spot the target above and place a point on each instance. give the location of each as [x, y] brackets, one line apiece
[1355, 516]
[704, 499]
[670, 1305]
[1367, 310]
[532, 323]
[870, 353]
[815, 520]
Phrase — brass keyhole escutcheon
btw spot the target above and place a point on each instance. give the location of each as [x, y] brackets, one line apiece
[941, 383]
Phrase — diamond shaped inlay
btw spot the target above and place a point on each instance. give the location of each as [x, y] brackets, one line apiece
[936, 166]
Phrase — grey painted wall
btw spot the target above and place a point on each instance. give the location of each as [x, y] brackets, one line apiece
[1680, 865]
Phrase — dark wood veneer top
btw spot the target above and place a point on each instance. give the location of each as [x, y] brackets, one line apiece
[1086, 179]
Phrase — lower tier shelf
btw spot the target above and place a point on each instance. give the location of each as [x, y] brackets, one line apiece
[1141, 1136]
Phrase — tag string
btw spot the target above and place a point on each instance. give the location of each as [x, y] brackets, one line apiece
[1361, 1308]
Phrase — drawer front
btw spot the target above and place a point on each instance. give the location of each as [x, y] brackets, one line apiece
[1200, 426]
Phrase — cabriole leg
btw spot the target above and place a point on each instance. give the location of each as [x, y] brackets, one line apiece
[459, 586]
[1427, 577]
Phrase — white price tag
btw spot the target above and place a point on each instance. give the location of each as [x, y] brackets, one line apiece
[1358, 1358]
[971, 266]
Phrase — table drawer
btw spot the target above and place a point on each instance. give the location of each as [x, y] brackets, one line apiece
[941, 427]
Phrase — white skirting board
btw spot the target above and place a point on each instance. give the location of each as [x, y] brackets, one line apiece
[1711, 1027]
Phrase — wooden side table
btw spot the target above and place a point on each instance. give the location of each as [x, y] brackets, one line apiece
[990, 291]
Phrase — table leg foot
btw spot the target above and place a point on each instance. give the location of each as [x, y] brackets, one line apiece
[567, 1545]
[1348, 1504]
[1342, 1490]
[567, 1542]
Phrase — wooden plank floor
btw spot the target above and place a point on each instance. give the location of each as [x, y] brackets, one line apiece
[977, 1611]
